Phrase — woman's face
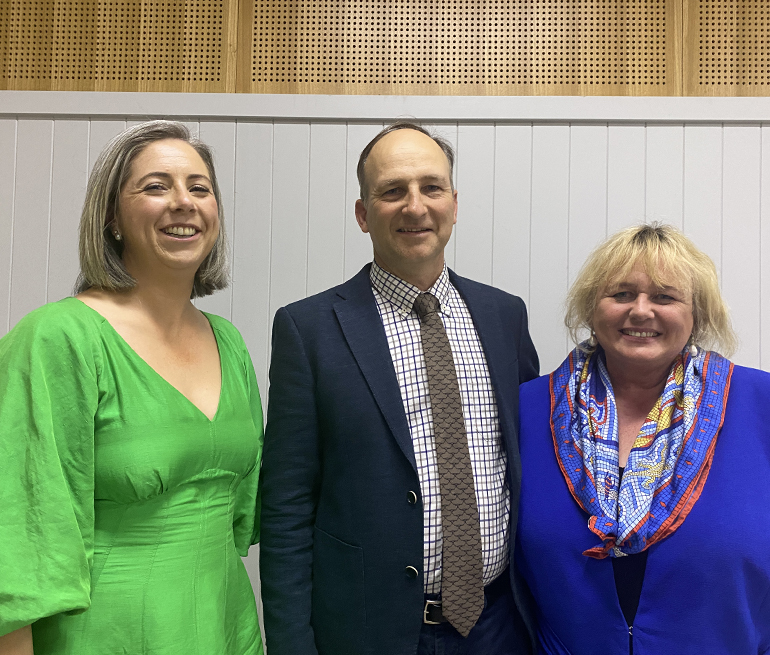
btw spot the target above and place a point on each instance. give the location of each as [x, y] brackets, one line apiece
[167, 213]
[642, 326]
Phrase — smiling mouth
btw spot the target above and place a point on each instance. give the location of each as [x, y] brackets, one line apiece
[178, 231]
[413, 230]
[640, 333]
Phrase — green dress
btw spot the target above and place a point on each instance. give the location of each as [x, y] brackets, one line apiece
[124, 510]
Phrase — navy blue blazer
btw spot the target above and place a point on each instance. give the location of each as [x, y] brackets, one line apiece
[338, 528]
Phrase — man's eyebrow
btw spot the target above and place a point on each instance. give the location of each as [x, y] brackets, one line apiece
[425, 178]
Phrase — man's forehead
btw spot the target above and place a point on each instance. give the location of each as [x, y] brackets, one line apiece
[408, 148]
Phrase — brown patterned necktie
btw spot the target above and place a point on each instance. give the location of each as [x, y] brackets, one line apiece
[462, 587]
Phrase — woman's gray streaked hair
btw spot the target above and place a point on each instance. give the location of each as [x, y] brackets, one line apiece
[101, 265]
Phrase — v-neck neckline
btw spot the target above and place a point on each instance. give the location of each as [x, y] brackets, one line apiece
[158, 375]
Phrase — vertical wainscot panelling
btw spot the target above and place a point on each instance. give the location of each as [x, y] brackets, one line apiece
[512, 207]
[702, 219]
[288, 260]
[251, 245]
[548, 279]
[100, 133]
[32, 206]
[475, 184]
[327, 215]
[7, 186]
[741, 236]
[764, 254]
[587, 193]
[220, 136]
[68, 189]
[664, 179]
[358, 247]
[625, 178]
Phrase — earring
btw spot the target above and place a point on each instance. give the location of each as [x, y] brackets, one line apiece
[117, 235]
[693, 348]
[592, 340]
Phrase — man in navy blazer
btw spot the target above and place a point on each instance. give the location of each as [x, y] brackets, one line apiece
[351, 540]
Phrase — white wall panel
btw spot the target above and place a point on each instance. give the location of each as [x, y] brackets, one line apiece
[626, 176]
[7, 187]
[703, 188]
[664, 173]
[32, 206]
[548, 237]
[512, 208]
[288, 261]
[101, 132]
[251, 243]
[741, 236]
[68, 188]
[476, 195]
[587, 192]
[764, 254]
[327, 211]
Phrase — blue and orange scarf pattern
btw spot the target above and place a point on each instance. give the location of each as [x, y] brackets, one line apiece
[670, 459]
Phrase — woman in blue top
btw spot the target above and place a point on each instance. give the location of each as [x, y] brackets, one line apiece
[644, 524]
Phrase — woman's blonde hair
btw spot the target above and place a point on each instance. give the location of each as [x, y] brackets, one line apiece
[670, 259]
[101, 265]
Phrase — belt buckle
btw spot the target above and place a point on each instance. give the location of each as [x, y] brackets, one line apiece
[428, 604]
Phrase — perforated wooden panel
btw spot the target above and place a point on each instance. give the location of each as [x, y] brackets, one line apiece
[726, 49]
[462, 47]
[162, 45]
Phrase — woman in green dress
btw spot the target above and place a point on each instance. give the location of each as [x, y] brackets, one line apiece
[131, 430]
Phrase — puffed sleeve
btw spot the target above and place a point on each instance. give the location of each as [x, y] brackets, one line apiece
[247, 502]
[48, 399]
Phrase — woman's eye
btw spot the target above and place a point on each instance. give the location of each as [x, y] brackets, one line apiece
[199, 188]
[621, 295]
[154, 186]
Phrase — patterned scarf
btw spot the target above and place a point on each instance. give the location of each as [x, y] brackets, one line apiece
[670, 459]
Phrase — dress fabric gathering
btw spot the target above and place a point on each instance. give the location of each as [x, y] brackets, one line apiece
[125, 509]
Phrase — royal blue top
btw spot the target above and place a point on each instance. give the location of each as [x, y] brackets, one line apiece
[706, 587]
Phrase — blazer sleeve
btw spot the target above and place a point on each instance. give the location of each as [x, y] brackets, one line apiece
[290, 481]
[529, 364]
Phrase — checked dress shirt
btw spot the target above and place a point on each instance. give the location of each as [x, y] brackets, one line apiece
[395, 299]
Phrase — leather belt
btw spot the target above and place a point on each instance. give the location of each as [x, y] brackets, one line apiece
[432, 615]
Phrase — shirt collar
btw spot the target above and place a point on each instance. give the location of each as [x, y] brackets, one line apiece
[402, 294]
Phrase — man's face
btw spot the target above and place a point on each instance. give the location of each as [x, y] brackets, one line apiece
[411, 207]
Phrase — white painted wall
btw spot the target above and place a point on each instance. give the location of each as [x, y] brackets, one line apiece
[541, 181]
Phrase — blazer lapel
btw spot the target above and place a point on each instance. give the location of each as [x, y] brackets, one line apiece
[362, 326]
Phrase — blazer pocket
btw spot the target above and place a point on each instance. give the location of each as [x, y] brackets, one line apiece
[339, 611]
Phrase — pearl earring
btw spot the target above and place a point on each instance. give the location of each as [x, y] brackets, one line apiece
[117, 235]
[693, 350]
[592, 340]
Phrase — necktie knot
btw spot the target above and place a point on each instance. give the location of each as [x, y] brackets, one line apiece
[426, 303]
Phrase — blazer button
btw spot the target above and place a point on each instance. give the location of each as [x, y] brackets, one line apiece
[411, 572]
[411, 498]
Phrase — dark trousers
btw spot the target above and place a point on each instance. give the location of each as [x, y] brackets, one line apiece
[499, 630]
